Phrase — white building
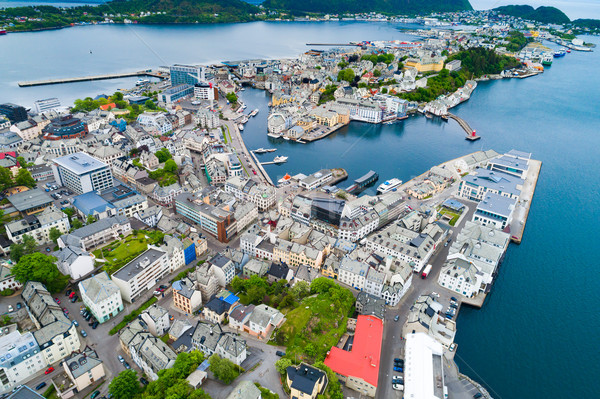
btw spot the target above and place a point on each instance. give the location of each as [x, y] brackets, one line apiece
[101, 296]
[205, 91]
[20, 359]
[157, 319]
[142, 273]
[46, 105]
[316, 179]
[82, 173]
[223, 269]
[424, 367]
[74, 261]
[495, 211]
[353, 273]
[38, 226]
[260, 194]
[156, 121]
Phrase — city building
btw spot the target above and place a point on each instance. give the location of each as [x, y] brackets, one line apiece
[245, 390]
[495, 211]
[151, 354]
[353, 273]
[157, 319]
[156, 121]
[423, 367]
[74, 261]
[30, 201]
[98, 233]
[176, 93]
[514, 163]
[255, 267]
[205, 91]
[46, 104]
[38, 226]
[186, 297]
[359, 367]
[28, 129]
[210, 339]
[82, 173]
[217, 222]
[260, 194]
[20, 359]
[316, 179]
[475, 185]
[187, 74]
[426, 316]
[263, 320]
[82, 370]
[65, 127]
[216, 310]
[142, 273]
[14, 112]
[101, 296]
[305, 382]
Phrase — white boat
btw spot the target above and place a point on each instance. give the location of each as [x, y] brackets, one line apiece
[241, 127]
[260, 151]
[389, 185]
[253, 113]
[141, 82]
[280, 159]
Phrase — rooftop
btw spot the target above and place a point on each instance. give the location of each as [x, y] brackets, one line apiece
[136, 266]
[30, 199]
[80, 163]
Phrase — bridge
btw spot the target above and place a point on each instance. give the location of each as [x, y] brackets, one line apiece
[90, 78]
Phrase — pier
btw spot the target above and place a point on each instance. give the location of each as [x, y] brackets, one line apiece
[470, 132]
[90, 78]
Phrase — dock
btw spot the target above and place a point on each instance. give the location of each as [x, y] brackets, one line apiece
[259, 166]
[470, 132]
[521, 212]
[90, 78]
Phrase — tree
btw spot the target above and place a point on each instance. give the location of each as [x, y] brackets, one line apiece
[42, 268]
[377, 73]
[232, 98]
[346, 75]
[150, 104]
[90, 219]
[6, 179]
[223, 369]
[125, 385]
[54, 234]
[76, 224]
[118, 96]
[69, 212]
[17, 251]
[163, 155]
[24, 178]
[300, 290]
[170, 166]
[282, 364]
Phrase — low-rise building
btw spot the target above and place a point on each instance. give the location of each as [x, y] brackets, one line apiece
[222, 268]
[353, 273]
[475, 185]
[186, 296]
[217, 222]
[98, 233]
[216, 310]
[83, 370]
[101, 296]
[245, 390]
[423, 367]
[38, 226]
[494, 210]
[256, 267]
[263, 320]
[74, 261]
[426, 316]
[157, 319]
[305, 382]
[20, 359]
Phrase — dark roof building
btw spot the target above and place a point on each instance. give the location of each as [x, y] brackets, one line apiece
[305, 381]
[65, 127]
[14, 112]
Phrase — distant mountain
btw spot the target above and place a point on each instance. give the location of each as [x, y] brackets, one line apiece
[545, 15]
[359, 6]
[587, 23]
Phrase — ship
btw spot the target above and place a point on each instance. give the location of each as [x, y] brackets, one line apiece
[253, 113]
[264, 150]
[141, 82]
[2, 31]
[389, 185]
[280, 159]
[547, 59]
[241, 127]
[361, 183]
[559, 53]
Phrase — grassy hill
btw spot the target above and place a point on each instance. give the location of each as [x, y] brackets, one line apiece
[546, 15]
[358, 6]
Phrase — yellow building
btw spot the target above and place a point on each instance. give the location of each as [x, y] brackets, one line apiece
[305, 382]
[281, 98]
[426, 64]
[325, 117]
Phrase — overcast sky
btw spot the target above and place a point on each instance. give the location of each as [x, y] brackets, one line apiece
[574, 9]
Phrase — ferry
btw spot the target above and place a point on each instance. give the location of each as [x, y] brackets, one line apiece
[559, 53]
[280, 159]
[547, 59]
[253, 113]
[141, 82]
[389, 185]
[264, 150]
[2, 31]
[241, 127]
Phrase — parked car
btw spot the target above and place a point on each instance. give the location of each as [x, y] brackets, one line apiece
[83, 333]
[95, 394]
[477, 395]
[40, 386]
[144, 381]
[398, 377]
[164, 286]
[396, 318]
[57, 300]
[398, 369]
[454, 299]
[280, 353]
[95, 325]
[453, 305]
[74, 299]
[69, 291]
[49, 370]
[75, 323]
[10, 308]
[398, 387]
[65, 311]
[121, 358]
[398, 360]
[127, 366]
[19, 305]
[397, 381]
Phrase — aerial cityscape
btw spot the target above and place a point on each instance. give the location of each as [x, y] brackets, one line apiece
[253, 199]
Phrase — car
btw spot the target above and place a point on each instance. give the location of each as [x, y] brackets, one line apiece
[164, 286]
[446, 244]
[435, 294]
[398, 377]
[398, 387]
[127, 366]
[253, 171]
[280, 353]
[453, 306]
[121, 358]
[10, 308]
[72, 294]
[144, 381]
[83, 333]
[398, 381]
[95, 324]
[477, 395]
[49, 370]
[74, 299]
[449, 316]
[396, 318]
[88, 317]
[171, 317]
[157, 293]
[76, 323]
[399, 369]
[160, 289]
[452, 347]
[65, 311]
[95, 394]
[40, 386]
[19, 305]
[454, 299]
[68, 292]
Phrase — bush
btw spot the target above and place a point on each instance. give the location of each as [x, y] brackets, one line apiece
[7, 292]
[131, 316]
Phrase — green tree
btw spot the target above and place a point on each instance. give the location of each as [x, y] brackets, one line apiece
[76, 224]
[232, 98]
[17, 251]
[117, 96]
[170, 166]
[377, 73]
[346, 75]
[150, 104]
[163, 155]
[24, 178]
[5, 320]
[69, 212]
[300, 290]
[125, 385]
[29, 243]
[54, 234]
[6, 179]
[223, 369]
[42, 268]
[282, 364]
[90, 219]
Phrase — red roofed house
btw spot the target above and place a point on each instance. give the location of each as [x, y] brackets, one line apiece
[107, 106]
[359, 367]
[8, 160]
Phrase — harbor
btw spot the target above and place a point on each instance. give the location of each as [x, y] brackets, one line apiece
[45, 82]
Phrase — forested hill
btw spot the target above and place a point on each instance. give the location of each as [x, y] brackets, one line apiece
[359, 6]
[546, 15]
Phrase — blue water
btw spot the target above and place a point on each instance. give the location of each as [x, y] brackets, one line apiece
[535, 336]
[25, 3]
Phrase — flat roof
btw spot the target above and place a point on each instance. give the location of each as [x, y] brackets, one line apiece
[423, 377]
[362, 361]
[496, 204]
[30, 199]
[137, 265]
[80, 163]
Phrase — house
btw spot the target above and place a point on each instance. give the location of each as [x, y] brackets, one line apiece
[216, 310]
[74, 261]
[210, 338]
[38, 226]
[150, 216]
[245, 390]
[223, 269]
[82, 370]
[186, 296]
[279, 271]
[305, 273]
[353, 273]
[305, 381]
[263, 320]
[426, 316]
[151, 354]
[238, 317]
[101, 296]
[25, 357]
[256, 267]
[157, 319]
[98, 233]
[206, 281]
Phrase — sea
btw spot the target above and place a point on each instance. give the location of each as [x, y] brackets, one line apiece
[535, 336]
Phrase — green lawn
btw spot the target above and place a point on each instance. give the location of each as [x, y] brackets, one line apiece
[445, 211]
[119, 253]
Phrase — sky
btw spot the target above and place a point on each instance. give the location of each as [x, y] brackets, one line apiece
[573, 8]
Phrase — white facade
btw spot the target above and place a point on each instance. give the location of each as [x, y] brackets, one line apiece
[157, 319]
[17, 365]
[155, 120]
[82, 173]
[46, 104]
[101, 296]
[38, 226]
[423, 372]
[353, 273]
[61, 345]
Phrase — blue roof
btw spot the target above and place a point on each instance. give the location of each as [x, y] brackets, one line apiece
[496, 204]
[503, 182]
[229, 298]
[453, 204]
[90, 203]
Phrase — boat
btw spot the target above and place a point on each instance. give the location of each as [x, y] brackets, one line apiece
[559, 53]
[547, 59]
[389, 185]
[260, 151]
[363, 182]
[284, 178]
[253, 113]
[568, 50]
[2, 31]
[141, 82]
[280, 159]
[241, 127]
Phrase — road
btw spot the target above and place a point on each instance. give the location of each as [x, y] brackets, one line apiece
[392, 343]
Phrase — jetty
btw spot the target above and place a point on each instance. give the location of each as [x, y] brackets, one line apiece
[470, 132]
[45, 82]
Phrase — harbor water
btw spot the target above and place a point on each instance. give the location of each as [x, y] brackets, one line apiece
[535, 335]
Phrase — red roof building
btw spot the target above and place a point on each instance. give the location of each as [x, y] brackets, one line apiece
[359, 367]
[107, 106]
